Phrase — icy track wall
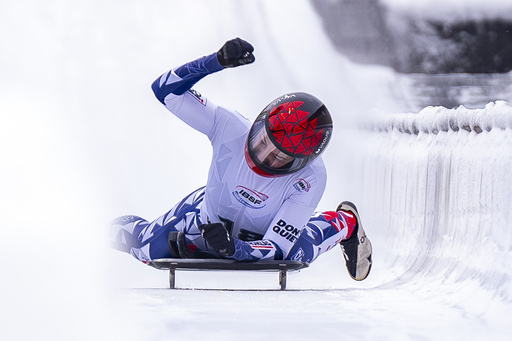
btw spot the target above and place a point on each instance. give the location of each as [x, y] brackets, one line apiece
[440, 186]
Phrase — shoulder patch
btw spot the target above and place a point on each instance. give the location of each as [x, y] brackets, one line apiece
[198, 96]
[302, 185]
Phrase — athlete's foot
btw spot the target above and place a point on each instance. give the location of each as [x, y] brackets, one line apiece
[357, 249]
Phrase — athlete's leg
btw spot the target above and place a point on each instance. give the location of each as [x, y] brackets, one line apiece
[323, 232]
[327, 229]
[149, 240]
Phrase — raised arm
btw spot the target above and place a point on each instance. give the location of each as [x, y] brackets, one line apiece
[173, 88]
[233, 53]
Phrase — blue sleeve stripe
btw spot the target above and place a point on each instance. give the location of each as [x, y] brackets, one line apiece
[189, 73]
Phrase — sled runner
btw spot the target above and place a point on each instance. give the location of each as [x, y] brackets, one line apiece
[173, 264]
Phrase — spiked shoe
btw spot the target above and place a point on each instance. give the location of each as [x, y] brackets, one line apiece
[357, 250]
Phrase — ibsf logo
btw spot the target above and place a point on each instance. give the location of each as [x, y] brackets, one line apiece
[249, 197]
[302, 185]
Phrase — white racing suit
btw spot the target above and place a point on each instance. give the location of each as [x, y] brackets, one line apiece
[268, 217]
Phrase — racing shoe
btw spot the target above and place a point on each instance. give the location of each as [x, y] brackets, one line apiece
[357, 250]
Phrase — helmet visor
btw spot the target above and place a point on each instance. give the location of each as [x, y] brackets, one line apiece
[266, 157]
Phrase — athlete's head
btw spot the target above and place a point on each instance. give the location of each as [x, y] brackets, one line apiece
[289, 134]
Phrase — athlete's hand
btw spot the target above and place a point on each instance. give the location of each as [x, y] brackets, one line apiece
[218, 238]
[235, 52]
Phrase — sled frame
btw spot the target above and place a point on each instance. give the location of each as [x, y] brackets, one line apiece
[173, 264]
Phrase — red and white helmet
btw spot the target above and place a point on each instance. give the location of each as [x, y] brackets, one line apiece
[289, 134]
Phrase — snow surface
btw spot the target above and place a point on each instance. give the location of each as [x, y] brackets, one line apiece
[84, 140]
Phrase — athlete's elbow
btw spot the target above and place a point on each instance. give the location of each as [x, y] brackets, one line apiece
[157, 90]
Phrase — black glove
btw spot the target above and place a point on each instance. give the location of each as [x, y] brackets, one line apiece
[218, 238]
[235, 52]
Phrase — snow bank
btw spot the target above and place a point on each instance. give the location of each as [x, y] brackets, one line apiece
[433, 120]
[438, 186]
